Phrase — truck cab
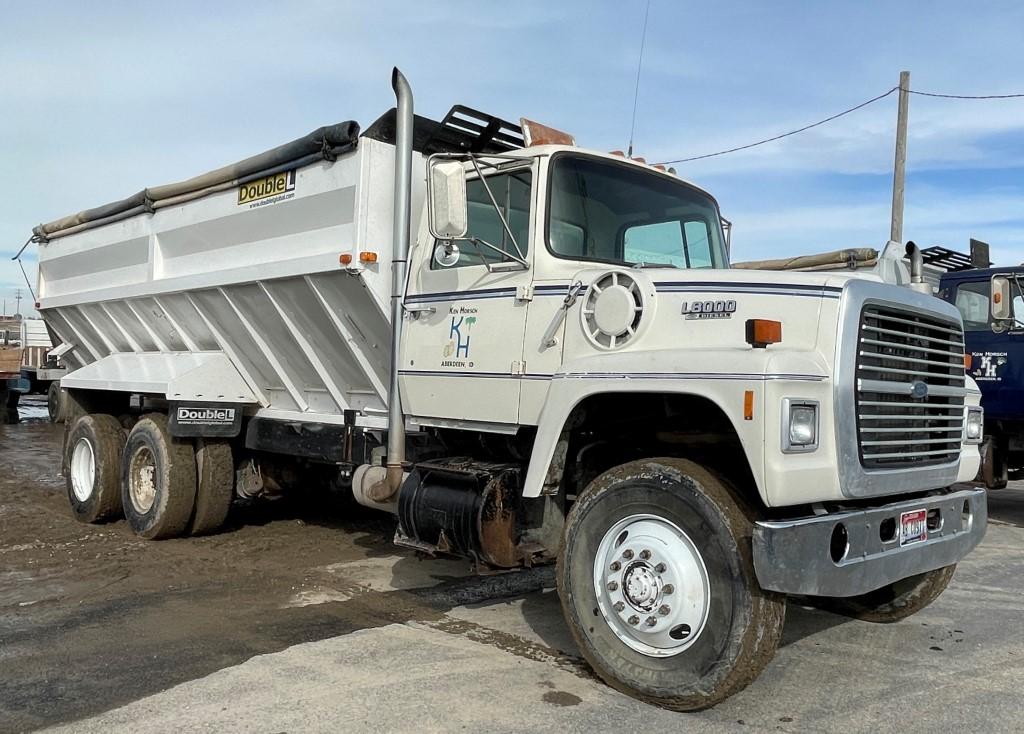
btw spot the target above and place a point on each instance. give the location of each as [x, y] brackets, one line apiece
[991, 303]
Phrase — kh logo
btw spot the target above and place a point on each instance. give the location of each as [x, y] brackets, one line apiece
[989, 364]
[458, 345]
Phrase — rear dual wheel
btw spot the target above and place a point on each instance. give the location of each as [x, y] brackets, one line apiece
[164, 486]
[171, 487]
[158, 480]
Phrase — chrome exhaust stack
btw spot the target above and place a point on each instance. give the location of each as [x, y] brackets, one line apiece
[388, 486]
[917, 269]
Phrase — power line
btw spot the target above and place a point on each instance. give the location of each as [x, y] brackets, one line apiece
[636, 86]
[837, 116]
[783, 135]
[966, 96]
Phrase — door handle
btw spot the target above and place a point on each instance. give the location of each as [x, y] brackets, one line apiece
[416, 310]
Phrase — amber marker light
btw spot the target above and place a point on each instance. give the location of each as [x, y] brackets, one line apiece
[762, 332]
[367, 257]
[345, 259]
[967, 362]
[748, 405]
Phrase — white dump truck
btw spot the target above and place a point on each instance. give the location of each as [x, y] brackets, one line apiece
[530, 353]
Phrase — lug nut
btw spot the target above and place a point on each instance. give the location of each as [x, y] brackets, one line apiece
[660, 568]
[634, 619]
[627, 554]
[667, 589]
[645, 554]
[651, 621]
[616, 565]
[664, 609]
[613, 585]
[618, 606]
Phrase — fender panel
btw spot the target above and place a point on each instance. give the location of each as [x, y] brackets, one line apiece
[702, 373]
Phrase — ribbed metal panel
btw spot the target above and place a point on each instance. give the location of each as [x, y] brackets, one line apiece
[314, 344]
[899, 422]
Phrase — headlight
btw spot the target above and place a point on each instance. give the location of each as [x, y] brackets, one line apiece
[974, 426]
[799, 425]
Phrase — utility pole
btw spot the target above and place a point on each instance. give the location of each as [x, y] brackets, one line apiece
[17, 307]
[900, 166]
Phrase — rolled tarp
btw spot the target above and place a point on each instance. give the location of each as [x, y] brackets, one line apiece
[852, 259]
[324, 142]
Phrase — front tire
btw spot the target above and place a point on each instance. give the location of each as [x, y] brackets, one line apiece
[893, 602]
[93, 467]
[158, 480]
[657, 584]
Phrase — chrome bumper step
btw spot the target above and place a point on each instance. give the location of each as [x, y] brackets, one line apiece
[796, 556]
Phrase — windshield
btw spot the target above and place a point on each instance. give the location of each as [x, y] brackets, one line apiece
[607, 211]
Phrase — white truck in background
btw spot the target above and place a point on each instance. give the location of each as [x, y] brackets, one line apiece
[559, 367]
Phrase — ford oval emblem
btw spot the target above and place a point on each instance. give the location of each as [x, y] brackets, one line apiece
[919, 390]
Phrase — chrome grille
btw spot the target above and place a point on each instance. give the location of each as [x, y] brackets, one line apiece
[900, 423]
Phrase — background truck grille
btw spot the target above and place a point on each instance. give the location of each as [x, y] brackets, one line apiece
[898, 423]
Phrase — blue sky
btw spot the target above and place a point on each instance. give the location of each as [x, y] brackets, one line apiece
[99, 100]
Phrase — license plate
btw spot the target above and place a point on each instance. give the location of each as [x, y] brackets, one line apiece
[913, 527]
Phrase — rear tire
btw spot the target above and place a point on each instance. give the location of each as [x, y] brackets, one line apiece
[893, 602]
[691, 572]
[215, 486]
[54, 404]
[158, 480]
[93, 459]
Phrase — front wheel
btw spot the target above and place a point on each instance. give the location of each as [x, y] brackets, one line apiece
[892, 602]
[657, 584]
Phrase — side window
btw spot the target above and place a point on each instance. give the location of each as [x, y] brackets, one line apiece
[972, 299]
[511, 191]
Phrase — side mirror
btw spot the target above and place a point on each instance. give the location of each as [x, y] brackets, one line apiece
[1002, 306]
[448, 216]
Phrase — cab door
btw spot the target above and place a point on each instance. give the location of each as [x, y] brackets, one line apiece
[462, 344]
[997, 350]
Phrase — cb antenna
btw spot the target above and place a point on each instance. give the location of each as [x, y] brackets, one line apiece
[636, 87]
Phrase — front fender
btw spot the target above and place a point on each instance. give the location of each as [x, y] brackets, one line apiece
[713, 374]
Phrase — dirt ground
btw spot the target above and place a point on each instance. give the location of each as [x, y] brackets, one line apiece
[92, 619]
[91, 616]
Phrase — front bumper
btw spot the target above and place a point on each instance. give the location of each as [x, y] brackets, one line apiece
[795, 556]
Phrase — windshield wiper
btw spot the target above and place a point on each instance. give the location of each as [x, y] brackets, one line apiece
[646, 265]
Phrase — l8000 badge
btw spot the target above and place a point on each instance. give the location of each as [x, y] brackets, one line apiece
[709, 309]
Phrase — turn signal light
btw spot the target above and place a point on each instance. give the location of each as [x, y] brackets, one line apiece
[762, 332]
[748, 405]
[967, 362]
[367, 257]
[345, 259]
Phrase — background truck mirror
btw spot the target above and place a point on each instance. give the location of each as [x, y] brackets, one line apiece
[448, 215]
[1002, 304]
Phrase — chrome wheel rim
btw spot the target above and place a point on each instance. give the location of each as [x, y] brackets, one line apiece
[652, 585]
[83, 470]
[142, 480]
